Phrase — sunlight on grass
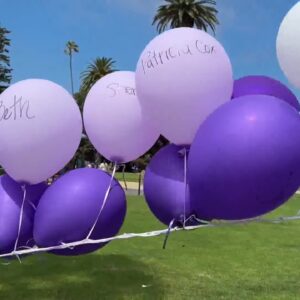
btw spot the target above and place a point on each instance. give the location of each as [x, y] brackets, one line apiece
[250, 261]
[130, 177]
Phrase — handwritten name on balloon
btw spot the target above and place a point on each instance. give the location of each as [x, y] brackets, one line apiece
[20, 109]
[116, 87]
[159, 58]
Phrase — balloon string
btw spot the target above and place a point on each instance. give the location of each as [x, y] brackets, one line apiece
[32, 205]
[123, 174]
[168, 234]
[20, 219]
[185, 187]
[104, 201]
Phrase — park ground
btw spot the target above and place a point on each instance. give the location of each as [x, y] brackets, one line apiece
[250, 261]
[129, 177]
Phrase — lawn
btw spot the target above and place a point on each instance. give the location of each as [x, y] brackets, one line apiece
[129, 177]
[253, 261]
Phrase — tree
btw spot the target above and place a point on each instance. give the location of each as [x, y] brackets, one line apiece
[71, 47]
[80, 98]
[186, 13]
[95, 71]
[5, 70]
[143, 161]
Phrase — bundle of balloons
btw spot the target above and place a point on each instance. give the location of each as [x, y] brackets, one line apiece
[234, 150]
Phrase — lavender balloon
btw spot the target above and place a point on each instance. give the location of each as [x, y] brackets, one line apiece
[114, 121]
[245, 160]
[164, 185]
[263, 85]
[40, 129]
[69, 208]
[182, 76]
[11, 197]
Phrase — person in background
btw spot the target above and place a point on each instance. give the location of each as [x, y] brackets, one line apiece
[103, 166]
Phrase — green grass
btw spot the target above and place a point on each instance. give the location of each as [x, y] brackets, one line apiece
[130, 177]
[253, 261]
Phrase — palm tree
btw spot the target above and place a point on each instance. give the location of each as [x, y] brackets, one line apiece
[186, 13]
[71, 47]
[5, 70]
[95, 71]
[80, 98]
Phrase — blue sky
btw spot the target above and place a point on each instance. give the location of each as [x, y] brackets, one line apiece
[121, 28]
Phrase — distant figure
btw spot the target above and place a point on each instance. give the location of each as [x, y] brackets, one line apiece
[103, 166]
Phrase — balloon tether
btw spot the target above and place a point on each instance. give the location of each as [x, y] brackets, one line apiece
[204, 224]
[184, 152]
[104, 200]
[168, 234]
[185, 186]
[20, 221]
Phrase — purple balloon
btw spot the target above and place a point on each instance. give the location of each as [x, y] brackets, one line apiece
[164, 187]
[11, 196]
[263, 85]
[245, 160]
[36, 191]
[69, 208]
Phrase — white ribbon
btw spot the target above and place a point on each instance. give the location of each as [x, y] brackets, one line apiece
[124, 236]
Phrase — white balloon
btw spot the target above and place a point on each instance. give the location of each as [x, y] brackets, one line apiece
[40, 129]
[288, 45]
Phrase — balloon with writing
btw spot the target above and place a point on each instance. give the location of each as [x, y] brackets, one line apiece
[11, 197]
[40, 129]
[182, 76]
[263, 85]
[288, 45]
[69, 208]
[245, 159]
[165, 185]
[114, 121]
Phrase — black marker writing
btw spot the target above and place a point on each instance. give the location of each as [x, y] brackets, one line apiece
[20, 109]
[155, 59]
[204, 48]
[129, 90]
[114, 87]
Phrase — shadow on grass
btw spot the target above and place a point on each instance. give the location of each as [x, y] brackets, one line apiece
[88, 277]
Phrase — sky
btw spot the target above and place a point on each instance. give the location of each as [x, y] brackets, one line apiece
[121, 29]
